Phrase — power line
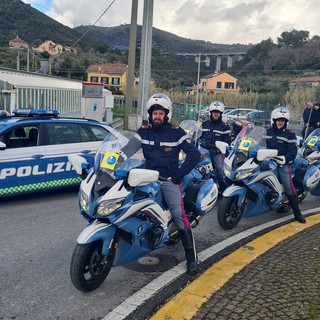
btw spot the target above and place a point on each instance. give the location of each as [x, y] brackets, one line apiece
[48, 9]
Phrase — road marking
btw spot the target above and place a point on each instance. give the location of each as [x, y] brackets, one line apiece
[187, 302]
[141, 296]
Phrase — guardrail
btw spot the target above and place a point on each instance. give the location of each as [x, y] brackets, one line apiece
[117, 123]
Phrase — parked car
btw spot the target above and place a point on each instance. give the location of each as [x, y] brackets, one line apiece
[239, 113]
[34, 149]
[205, 114]
[259, 117]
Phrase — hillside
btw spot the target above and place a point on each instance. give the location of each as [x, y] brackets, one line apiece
[162, 40]
[20, 19]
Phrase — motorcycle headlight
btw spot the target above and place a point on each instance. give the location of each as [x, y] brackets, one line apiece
[84, 201]
[227, 171]
[107, 207]
[242, 174]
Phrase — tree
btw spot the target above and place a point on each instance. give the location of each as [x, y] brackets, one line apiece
[293, 38]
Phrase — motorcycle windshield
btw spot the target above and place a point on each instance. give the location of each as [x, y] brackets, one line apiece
[108, 158]
[312, 143]
[192, 128]
[250, 138]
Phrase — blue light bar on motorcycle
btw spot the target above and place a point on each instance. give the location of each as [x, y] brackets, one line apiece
[120, 174]
[35, 112]
[252, 153]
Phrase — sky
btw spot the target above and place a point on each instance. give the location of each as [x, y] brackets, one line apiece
[224, 21]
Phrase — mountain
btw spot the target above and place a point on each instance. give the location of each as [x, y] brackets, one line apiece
[162, 40]
[20, 19]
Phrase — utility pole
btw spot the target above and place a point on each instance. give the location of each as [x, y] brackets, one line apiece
[145, 57]
[28, 59]
[207, 62]
[131, 63]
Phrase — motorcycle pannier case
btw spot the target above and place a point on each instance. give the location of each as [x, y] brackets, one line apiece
[201, 196]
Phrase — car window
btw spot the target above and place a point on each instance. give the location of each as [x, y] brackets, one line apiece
[62, 133]
[99, 132]
[21, 136]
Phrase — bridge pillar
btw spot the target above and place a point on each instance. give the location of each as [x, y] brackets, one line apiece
[218, 64]
[240, 57]
[229, 61]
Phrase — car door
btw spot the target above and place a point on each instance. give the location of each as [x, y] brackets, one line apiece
[23, 165]
[66, 138]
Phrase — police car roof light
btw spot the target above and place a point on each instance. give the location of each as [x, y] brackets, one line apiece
[35, 112]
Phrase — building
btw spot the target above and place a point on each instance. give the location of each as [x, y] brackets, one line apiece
[305, 81]
[20, 89]
[112, 75]
[216, 83]
[51, 47]
[18, 43]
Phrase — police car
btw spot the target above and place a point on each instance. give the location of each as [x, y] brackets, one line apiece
[34, 149]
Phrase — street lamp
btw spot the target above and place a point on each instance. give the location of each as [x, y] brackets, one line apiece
[207, 63]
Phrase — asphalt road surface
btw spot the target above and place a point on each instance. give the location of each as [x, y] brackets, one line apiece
[38, 234]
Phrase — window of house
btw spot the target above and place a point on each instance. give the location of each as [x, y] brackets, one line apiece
[116, 81]
[229, 85]
[219, 84]
[94, 79]
[105, 80]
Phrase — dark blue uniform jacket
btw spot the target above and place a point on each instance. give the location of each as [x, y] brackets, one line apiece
[213, 131]
[284, 140]
[161, 147]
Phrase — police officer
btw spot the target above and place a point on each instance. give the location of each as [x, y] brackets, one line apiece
[161, 143]
[285, 141]
[214, 130]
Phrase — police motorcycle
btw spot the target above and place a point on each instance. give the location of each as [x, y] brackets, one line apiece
[254, 186]
[126, 213]
[309, 154]
[192, 128]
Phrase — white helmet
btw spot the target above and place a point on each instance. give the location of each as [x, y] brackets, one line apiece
[216, 106]
[160, 101]
[280, 113]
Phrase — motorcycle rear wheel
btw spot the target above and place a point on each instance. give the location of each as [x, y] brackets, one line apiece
[89, 268]
[229, 214]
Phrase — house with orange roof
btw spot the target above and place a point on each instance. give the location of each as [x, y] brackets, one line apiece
[216, 83]
[305, 81]
[112, 75]
[18, 43]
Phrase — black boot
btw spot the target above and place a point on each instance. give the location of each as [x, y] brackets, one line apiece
[293, 200]
[191, 256]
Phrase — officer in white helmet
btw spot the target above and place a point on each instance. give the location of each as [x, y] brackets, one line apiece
[285, 141]
[161, 143]
[214, 130]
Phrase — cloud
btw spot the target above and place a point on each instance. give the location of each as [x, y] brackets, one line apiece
[244, 21]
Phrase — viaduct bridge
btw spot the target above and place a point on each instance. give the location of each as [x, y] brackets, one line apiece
[219, 56]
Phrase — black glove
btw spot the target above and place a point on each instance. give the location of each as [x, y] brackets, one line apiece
[176, 179]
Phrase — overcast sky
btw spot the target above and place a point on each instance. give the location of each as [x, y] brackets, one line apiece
[224, 21]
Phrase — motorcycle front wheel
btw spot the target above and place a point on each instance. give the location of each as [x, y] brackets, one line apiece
[89, 268]
[229, 214]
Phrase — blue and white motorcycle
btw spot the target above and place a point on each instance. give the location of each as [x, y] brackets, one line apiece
[127, 215]
[310, 151]
[254, 186]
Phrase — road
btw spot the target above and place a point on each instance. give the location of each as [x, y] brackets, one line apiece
[38, 234]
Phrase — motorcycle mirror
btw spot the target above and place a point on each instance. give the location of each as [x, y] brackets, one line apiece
[222, 146]
[78, 162]
[263, 154]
